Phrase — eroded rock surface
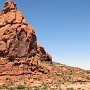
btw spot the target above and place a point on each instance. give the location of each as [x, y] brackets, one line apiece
[18, 39]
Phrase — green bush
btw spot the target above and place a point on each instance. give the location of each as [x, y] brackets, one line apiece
[70, 88]
[21, 87]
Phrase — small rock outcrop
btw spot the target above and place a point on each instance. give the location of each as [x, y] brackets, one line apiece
[18, 40]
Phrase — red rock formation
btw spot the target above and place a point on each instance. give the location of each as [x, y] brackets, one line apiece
[18, 40]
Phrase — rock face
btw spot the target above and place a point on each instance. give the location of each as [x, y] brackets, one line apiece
[17, 38]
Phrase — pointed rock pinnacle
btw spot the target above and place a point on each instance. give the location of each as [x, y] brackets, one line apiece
[17, 38]
[18, 44]
[9, 6]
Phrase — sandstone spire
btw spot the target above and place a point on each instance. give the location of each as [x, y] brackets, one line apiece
[18, 44]
[9, 6]
[17, 38]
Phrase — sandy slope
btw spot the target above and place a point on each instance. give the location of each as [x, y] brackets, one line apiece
[77, 86]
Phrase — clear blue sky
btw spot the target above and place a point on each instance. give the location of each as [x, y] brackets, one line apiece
[62, 27]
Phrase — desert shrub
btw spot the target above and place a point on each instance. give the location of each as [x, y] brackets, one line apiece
[11, 88]
[5, 86]
[88, 77]
[45, 87]
[88, 71]
[70, 88]
[1, 87]
[36, 88]
[21, 87]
